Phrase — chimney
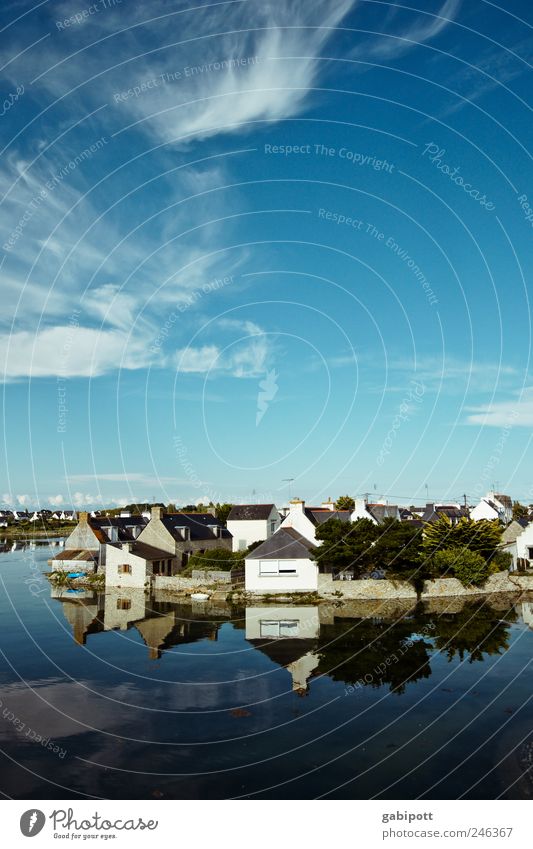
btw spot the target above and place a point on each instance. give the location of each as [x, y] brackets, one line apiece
[296, 505]
[126, 546]
[83, 517]
[328, 505]
[157, 512]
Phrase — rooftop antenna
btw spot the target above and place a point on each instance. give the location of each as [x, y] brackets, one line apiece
[289, 481]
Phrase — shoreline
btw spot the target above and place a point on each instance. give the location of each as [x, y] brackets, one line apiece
[30, 533]
[502, 583]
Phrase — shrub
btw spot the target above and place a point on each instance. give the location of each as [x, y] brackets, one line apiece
[467, 566]
[213, 560]
[501, 562]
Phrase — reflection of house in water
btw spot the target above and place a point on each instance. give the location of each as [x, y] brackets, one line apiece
[527, 613]
[84, 611]
[288, 636]
[161, 624]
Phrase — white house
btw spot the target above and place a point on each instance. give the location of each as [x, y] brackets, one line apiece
[377, 513]
[519, 544]
[493, 506]
[21, 515]
[132, 564]
[288, 636]
[248, 523]
[75, 560]
[305, 520]
[283, 563]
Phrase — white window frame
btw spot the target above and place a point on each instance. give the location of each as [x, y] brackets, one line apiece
[277, 568]
[276, 628]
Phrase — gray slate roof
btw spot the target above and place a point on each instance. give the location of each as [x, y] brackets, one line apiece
[285, 544]
[380, 512]
[197, 523]
[124, 525]
[147, 552]
[250, 512]
[512, 532]
[320, 515]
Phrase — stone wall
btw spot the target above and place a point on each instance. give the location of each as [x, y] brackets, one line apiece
[501, 582]
[365, 589]
[213, 576]
[179, 584]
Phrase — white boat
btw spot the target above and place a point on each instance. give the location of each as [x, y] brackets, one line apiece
[199, 596]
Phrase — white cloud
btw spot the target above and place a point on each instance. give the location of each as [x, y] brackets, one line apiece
[71, 352]
[80, 499]
[504, 414]
[450, 374]
[424, 28]
[56, 500]
[215, 92]
[197, 360]
[23, 500]
[246, 357]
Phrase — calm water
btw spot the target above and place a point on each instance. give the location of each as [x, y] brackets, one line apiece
[117, 695]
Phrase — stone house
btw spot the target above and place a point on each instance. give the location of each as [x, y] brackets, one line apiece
[518, 541]
[181, 534]
[138, 547]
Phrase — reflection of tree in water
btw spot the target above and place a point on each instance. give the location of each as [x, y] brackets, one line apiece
[370, 652]
[477, 630]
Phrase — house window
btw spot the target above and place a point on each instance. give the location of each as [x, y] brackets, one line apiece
[277, 567]
[530, 552]
[270, 628]
[272, 526]
[124, 569]
[123, 603]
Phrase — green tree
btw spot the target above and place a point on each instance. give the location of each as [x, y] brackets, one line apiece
[482, 537]
[520, 511]
[476, 631]
[346, 545]
[345, 502]
[398, 550]
[222, 512]
[467, 566]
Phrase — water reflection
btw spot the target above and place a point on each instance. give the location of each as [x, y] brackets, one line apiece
[7, 545]
[361, 644]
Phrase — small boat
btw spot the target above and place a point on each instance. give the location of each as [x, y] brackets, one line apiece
[76, 575]
[199, 596]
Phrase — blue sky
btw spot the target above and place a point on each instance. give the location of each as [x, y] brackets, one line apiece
[250, 241]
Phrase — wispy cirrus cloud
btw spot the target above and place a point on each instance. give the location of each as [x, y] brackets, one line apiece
[516, 412]
[403, 37]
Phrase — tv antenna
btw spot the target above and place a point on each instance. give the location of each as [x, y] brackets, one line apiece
[289, 481]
